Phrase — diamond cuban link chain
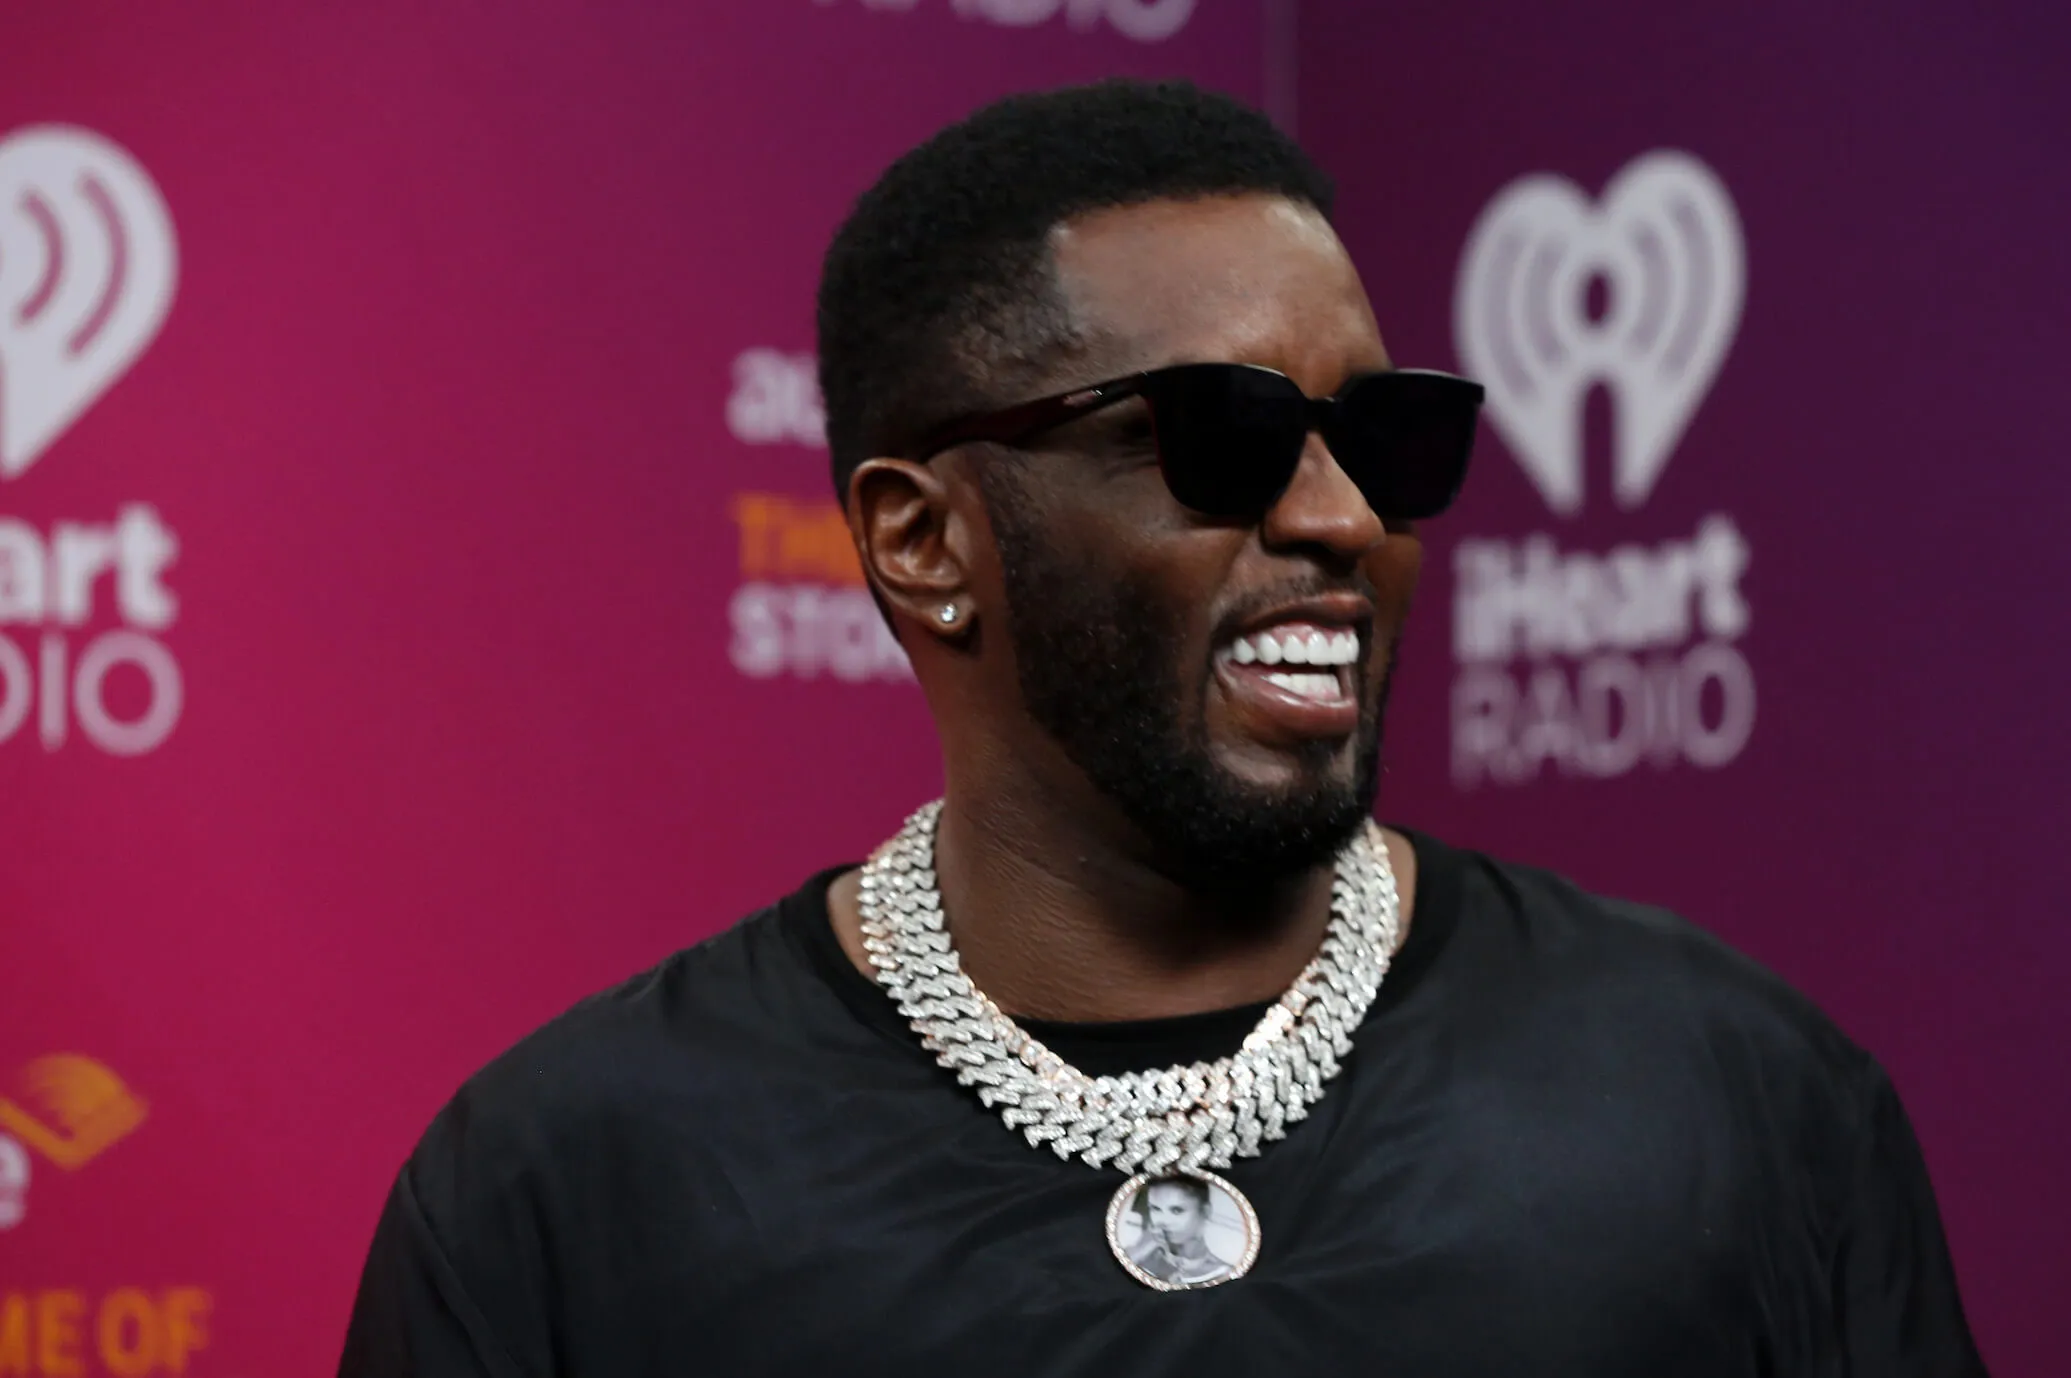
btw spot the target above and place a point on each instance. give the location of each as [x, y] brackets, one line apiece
[1180, 1119]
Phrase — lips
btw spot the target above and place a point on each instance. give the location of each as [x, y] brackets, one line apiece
[1298, 656]
[1295, 677]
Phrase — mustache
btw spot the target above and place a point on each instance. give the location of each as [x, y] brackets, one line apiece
[1244, 610]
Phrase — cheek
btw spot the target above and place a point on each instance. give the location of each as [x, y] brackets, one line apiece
[1171, 579]
[1124, 554]
[1394, 567]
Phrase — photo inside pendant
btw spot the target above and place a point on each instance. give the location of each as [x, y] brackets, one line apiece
[1184, 1231]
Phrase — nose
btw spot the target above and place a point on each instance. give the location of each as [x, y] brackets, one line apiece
[1322, 510]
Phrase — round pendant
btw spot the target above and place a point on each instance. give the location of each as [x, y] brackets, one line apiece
[1181, 1231]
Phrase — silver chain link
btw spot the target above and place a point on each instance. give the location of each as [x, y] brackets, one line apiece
[1179, 1119]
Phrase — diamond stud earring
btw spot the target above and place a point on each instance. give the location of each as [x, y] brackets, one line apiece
[948, 615]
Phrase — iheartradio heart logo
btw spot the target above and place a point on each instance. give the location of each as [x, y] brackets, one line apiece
[87, 269]
[1664, 241]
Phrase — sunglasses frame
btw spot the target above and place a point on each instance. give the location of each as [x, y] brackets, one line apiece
[1017, 425]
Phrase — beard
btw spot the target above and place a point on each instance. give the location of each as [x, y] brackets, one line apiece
[1099, 665]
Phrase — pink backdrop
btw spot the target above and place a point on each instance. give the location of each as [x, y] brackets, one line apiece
[418, 604]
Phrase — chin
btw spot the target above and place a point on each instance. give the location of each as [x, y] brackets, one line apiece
[1277, 774]
[1243, 827]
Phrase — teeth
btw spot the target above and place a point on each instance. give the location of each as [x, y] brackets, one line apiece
[1324, 688]
[1310, 647]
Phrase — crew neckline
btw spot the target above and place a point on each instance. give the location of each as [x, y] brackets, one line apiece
[1107, 1048]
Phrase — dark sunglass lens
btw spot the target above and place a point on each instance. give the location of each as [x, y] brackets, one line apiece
[1229, 436]
[1404, 438]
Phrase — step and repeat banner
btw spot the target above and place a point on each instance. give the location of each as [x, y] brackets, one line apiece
[421, 598]
[1754, 603]
[421, 602]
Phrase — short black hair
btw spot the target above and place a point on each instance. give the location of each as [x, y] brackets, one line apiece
[1194, 1186]
[938, 284]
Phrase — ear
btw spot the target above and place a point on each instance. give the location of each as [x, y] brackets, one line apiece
[914, 543]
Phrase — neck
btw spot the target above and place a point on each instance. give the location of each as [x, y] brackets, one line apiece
[1060, 910]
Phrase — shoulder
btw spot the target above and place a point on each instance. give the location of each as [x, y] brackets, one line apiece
[625, 1117]
[687, 1010]
[655, 1059]
[681, 1005]
[1632, 970]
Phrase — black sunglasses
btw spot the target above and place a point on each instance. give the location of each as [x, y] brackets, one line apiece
[1230, 436]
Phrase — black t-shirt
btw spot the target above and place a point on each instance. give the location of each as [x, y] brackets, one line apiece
[1575, 1137]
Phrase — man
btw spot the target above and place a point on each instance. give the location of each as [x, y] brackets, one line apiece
[1131, 473]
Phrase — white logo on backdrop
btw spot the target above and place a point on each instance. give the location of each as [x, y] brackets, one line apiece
[87, 265]
[87, 272]
[1630, 653]
[14, 1182]
[1665, 242]
[776, 399]
[802, 610]
[1147, 21]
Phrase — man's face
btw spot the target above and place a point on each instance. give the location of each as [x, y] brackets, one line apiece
[1125, 608]
[1175, 1215]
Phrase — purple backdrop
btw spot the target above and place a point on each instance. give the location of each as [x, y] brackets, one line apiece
[1883, 438]
[420, 603]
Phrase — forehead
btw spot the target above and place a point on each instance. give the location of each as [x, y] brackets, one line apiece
[1242, 279]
